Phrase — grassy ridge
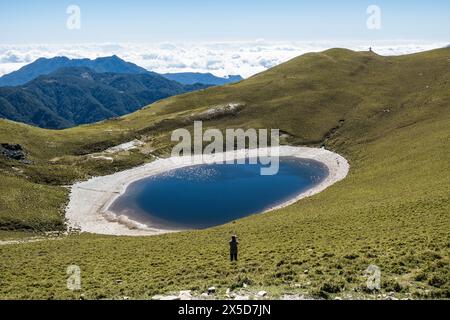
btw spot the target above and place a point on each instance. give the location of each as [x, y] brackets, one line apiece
[389, 116]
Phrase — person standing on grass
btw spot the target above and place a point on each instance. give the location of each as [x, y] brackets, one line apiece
[233, 248]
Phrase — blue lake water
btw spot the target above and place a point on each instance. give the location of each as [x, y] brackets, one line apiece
[203, 196]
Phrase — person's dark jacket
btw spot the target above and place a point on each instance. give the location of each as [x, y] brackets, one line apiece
[234, 246]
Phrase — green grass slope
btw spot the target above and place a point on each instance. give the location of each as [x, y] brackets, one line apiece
[389, 116]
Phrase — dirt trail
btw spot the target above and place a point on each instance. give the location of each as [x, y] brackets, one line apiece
[26, 240]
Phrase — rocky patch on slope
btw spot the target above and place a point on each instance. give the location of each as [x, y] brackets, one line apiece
[14, 152]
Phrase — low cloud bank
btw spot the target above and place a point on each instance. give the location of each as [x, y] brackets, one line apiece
[221, 58]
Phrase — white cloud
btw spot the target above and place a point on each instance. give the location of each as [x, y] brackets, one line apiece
[10, 67]
[223, 58]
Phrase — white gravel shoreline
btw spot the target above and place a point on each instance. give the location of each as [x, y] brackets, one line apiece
[89, 200]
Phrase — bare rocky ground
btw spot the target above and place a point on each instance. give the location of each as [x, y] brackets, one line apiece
[211, 294]
[246, 293]
[14, 152]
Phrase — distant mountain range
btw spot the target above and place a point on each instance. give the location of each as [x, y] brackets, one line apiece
[78, 95]
[60, 92]
[206, 78]
[44, 66]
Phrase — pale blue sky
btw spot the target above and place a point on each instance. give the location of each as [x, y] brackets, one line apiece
[44, 21]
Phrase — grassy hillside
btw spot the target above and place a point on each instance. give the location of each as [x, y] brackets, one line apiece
[389, 116]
